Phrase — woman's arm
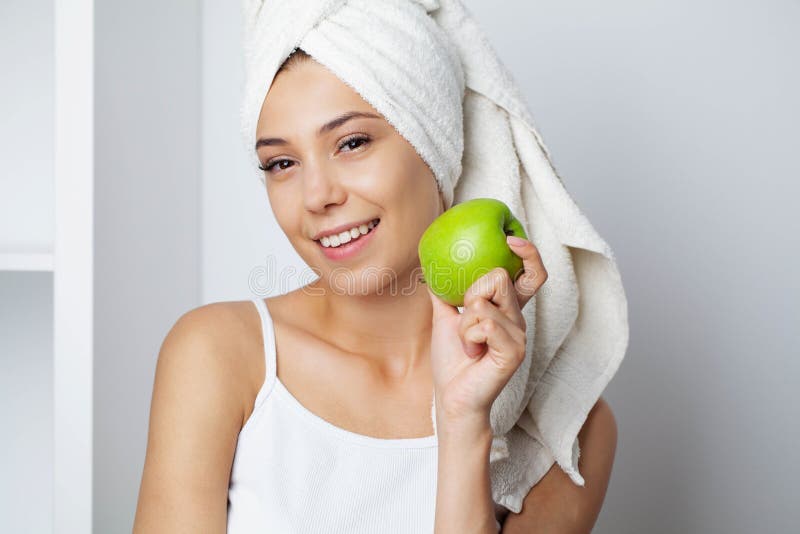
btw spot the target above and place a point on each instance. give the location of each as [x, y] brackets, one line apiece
[463, 492]
[473, 355]
[195, 417]
[555, 504]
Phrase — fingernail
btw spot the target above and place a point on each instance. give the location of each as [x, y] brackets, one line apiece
[514, 240]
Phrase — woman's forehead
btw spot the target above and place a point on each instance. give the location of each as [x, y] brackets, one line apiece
[309, 94]
[311, 84]
[310, 89]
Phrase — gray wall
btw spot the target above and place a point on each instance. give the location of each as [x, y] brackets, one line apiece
[674, 126]
[147, 231]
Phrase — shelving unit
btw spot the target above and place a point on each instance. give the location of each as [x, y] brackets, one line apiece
[99, 247]
[26, 266]
[22, 261]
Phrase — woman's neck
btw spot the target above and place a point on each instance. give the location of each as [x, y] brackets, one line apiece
[391, 330]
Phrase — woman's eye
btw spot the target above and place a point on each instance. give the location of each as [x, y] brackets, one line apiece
[353, 142]
[278, 162]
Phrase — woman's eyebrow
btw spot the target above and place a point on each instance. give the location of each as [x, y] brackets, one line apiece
[325, 128]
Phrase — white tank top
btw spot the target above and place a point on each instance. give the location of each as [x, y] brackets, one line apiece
[294, 472]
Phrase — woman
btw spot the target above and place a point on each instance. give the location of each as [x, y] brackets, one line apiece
[359, 355]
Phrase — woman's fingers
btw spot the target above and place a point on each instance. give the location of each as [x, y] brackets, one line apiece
[479, 312]
[534, 274]
[473, 349]
[440, 308]
[496, 288]
[503, 342]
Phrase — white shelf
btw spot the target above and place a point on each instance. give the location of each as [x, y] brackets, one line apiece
[26, 261]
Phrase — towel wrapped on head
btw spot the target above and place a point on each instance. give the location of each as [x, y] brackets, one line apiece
[430, 70]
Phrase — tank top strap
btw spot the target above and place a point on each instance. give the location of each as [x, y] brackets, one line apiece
[268, 336]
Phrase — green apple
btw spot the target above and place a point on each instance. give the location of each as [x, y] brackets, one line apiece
[466, 242]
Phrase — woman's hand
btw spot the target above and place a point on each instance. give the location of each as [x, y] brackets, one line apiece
[475, 353]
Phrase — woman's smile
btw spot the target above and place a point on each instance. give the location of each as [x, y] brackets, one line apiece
[348, 243]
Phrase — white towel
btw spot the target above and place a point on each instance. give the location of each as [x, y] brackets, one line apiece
[429, 69]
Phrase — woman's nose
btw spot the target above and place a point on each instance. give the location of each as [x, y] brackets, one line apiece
[321, 188]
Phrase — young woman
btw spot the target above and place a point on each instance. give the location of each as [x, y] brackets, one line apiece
[310, 411]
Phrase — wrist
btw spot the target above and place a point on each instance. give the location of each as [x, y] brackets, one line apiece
[471, 428]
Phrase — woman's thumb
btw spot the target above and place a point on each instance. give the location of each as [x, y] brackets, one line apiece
[440, 308]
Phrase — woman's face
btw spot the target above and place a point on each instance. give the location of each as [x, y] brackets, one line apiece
[319, 179]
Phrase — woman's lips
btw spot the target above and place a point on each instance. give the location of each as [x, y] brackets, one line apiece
[348, 250]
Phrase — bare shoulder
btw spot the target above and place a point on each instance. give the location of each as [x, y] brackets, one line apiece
[196, 414]
[214, 320]
[220, 331]
[555, 503]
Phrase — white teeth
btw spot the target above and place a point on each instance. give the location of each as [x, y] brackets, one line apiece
[347, 236]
